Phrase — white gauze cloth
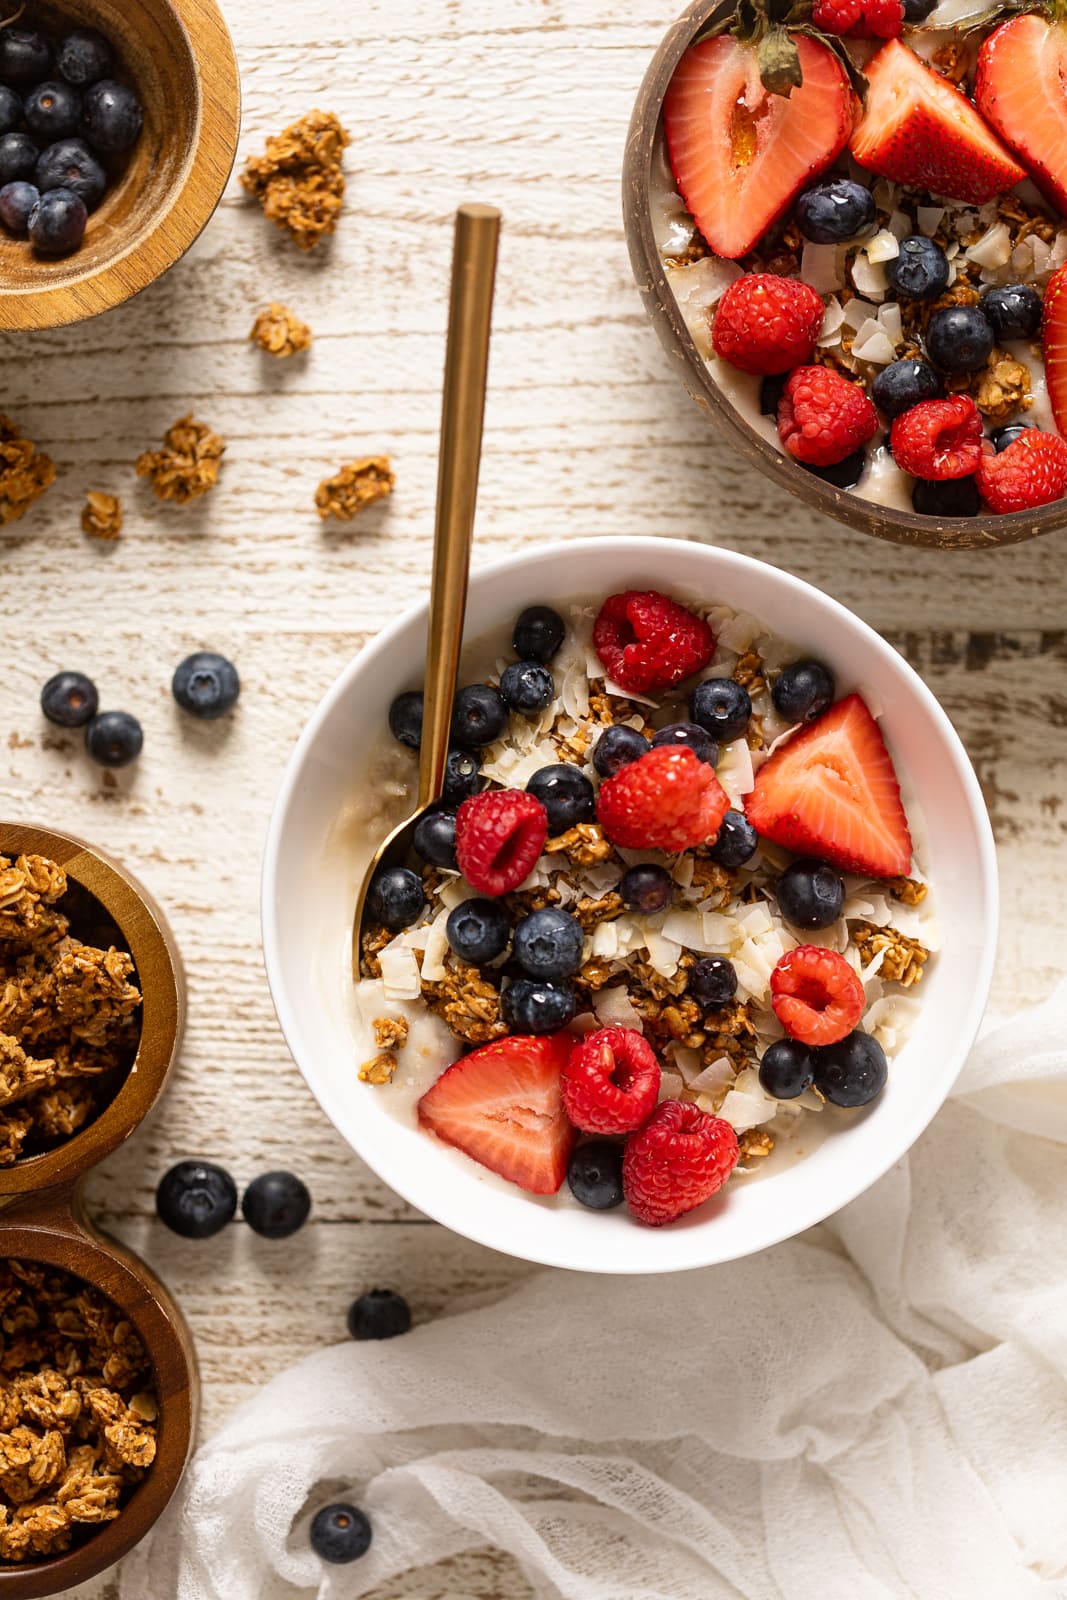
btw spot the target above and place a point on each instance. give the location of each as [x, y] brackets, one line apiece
[876, 1409]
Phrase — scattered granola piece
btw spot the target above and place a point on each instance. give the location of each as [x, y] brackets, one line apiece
[591, 913]
[372, 941]
[298, 180]
[279, 331]
[753, 1143]
[102, 515]
[25, 472]
[583, 845]
[379, 1069]
[29, 887]
[93, 991]
[952, 61]
[187, 465]
[1003, 388]
[749, 672]
[907, 890]
[21, 1075]
[354, 487]
[391, 1033]
[467, 1002]
[904, 957]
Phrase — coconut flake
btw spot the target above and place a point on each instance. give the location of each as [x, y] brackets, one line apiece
[697, 288]
[400, 971]
[885, 244]
[890, 319]
[819, 267]
[869, 276]
[734, 771]
[874, 345]
[615, 1009]
[929, 219]
[993, 249]
[833, 319]
[746, 1105]
[859, 311]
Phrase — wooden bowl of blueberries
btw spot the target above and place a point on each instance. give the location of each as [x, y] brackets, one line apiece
[118, 130]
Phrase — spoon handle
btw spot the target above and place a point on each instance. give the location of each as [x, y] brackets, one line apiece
[466, 361]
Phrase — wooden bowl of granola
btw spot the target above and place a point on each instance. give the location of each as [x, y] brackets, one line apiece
[719, 390]
[179, 56]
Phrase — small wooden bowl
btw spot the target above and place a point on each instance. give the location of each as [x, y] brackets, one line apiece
[902, 527]
[179, 57]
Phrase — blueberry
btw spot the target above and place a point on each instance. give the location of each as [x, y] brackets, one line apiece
[959, 339]
[18, 155]
[691, 736]
[646, 888]
[594, 1174]
[114, 738]
[69, 699]
[771, 391]
[435, 839]
[83, 57]
[56, 225]
[70, 164]
[902, 384]
[539, 632]
[10, 109]
[479, 716]
[463, 776]
[841, 474]
[276, 1204]
[396, 897]
[478, 930]
[527, 687]
[340, 1533]
[803, 691]
[713, 981]
[1013, 312]
[17, 200]
[947, 497]
[405, 718]
[835, 210]
[531, 1006]
[616, 748]
[566, 794]
[1001, 437]
[379, 1314]
[786, 1069]
[918, 10]
[736, 841]
[25, 57]
[196, 1199]
[548, 944]
[111, 117]
[919, 270]
[52, 110]
[810, 894]
[206, 685]
[851, 1072]
[721, 706]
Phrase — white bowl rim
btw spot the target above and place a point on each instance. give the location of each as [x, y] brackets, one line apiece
[637, 546]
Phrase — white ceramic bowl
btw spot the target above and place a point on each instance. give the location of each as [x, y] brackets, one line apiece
[307, 909]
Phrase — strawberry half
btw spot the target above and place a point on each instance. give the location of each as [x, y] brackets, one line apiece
[918, 129]
[831, 791]
[1020, 91]
[1054, 345]
[740, 153]
[503, 1105]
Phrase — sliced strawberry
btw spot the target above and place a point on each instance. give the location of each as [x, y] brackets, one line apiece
[831, 791]
[503, 1105]
[739, 153]
[1054, 345]
[1021, 90]
[918, 129]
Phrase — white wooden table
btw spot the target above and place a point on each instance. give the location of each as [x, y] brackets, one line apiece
[526, 105]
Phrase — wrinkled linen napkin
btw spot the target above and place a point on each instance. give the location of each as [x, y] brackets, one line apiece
[876, 1409]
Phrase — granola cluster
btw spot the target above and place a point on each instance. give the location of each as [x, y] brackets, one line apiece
[187, 465]
[298, 180]
[25, 472]
[102, 515]
[77, 1411]
[279, 331]
[68, 1021]
[354, 487]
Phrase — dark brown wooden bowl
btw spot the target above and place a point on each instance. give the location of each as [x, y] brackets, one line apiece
[179, 57]
[946, 533]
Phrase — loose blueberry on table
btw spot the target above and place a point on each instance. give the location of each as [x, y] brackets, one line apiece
[340, 1533]
[196, 1199]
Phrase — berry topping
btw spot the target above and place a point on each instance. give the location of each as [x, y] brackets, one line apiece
[831, 792]
[538, 634]
[918, 10]
[1001, 438]
[56, 225]
[950, 497]
[84, 56]
[824, 417]
[843, 474]
[52, 111]
[786, 1069]
[276, 1204]
[114, 738]
[721, 706]
[479, 716]
[534, 1005]
[770, 393]
[435, 839]
[648, 642]
[920, 268]
[378, 1314]
[18, 156]
[396, 897]
[803, 691]
[206, 685]
[939, 438]
[566, 794]
[668, 800]
[70, 164]
[463, 776]
[405, 718]
[503, 1105]
[713, 982]
[1014, 311]
[767, 324]
[616, 747]
[835, 211]
[111, 117]
[959, 339]
[196, 1199]
[478, 930]
[17, 200]
[678, 1160]
[851, 1072]
[340, 1533]
[25, 57]
[1032, 471]
[646, 889]
[499, 836]
[527, 687]
[10, 109]
[611, 1081]
[862, 19]
[1018, 88]
[810, 894]
[1053, 343]
[816, 995]
[69, 699]
[691, 737]
[737, 842]
[548, 944]
[902, 384]
[595, 1175]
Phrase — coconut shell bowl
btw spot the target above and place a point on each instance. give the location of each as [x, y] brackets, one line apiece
[43, 1219]
[646, 179]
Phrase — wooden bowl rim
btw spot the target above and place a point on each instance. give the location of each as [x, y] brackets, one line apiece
[54, 1229]
[158, 964]
[947, 533]
[186, 209]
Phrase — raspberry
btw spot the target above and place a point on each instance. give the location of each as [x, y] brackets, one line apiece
[816, 995]
[611, 1081]
[499, 836]
[879, 19]
[938, 438]
[679, 1159]
[837, 16]
[1032, 471]
[822, 417]
[767, 324]
[666, 800]
[648, 642]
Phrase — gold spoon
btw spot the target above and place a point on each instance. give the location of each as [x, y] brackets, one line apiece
[462, 409]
